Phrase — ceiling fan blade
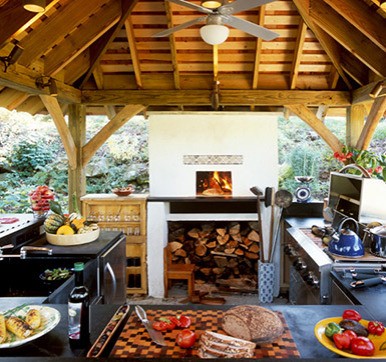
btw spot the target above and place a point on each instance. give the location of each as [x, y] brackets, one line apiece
[250, 28]
[179, 27]
[241, 5]
[191, 6]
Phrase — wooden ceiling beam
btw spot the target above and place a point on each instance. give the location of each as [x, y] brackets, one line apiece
[11, 98]
[227, 97]
[360, 15]
[133, 53]
[56, 27]
[101, 137]
[348, 36]
[53, 108]
[259, 46]
[298, 53]
[100, 47]
[81, 39]
[330, 46]
[362, 95]
[309, 117]
[23, 79]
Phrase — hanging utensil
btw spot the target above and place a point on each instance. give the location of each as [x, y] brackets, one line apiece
[256, 191]
[368, 282]
[270, 201]
[283, 199]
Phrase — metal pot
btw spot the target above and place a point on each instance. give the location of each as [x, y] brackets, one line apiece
[349, 243]
[378, 241]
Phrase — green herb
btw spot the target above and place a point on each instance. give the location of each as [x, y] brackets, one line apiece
[9, 312]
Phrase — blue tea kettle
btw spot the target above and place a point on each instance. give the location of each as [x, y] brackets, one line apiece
[348, 244]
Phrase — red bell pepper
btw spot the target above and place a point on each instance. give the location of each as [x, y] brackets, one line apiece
[362, 346]
[341, 340]
[352, 315]
[375, 327]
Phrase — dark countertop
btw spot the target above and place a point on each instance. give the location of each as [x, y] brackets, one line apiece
[54, 345]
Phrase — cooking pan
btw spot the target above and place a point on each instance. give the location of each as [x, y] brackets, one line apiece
[378, 241]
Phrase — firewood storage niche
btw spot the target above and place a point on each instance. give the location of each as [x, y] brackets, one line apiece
[225, 252]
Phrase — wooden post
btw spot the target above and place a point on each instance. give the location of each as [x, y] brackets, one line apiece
[356, 115]
[77, 176]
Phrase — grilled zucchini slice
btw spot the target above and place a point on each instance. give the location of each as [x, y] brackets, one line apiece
[33, 318]
[3, 329]
[18, 327]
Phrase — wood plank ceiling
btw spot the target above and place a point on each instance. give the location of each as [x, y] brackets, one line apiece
[329, 54]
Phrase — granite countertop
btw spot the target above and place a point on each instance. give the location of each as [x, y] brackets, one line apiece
[54, 345]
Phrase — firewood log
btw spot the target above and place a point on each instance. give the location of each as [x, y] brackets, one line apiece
[221, 261]
[222, 253]
[194, 233]
[218, 271]
[206, 271]
[254, 248]
[237, 237]
[234, 229]
[200, 249]
[247, 241]
[221, 231]
[250, 255]
[239, 252]
[222, 239]
[254, 236]
[232, 244]
[174, 245]
[229, 251]
[211, 244]
[181, 253]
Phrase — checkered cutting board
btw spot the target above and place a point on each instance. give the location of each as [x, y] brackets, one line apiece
[135, 342]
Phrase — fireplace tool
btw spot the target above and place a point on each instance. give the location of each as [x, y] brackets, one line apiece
[256, 191]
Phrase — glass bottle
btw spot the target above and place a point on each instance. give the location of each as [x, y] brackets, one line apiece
[78, 311]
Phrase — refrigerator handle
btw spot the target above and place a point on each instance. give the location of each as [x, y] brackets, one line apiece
[113, 278]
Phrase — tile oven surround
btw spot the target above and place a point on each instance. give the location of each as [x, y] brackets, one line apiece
[180, 144]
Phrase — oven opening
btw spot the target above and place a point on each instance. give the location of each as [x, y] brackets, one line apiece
[213, 183]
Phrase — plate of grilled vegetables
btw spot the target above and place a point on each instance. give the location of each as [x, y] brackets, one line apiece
[25, 323]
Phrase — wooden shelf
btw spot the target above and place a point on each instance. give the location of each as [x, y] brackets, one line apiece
[129, 215]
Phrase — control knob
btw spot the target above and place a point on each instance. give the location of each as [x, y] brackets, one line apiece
[300, 264]
[312, 279]
[290, 250]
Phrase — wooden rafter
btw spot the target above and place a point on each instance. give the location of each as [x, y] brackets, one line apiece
[259, 46]
[348, 36]
[100, 47]
[53, 108]
[117, 122]
[331, 47]
[298, 53]
[309, 117]
[56, 28]
[133, 53]
[173, 49]
[362, 94]
[376, 112]
[11, 98]
[80, 40]
[372, 25]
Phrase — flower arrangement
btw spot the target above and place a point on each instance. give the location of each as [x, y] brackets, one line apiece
[374, 164]
[39, 199]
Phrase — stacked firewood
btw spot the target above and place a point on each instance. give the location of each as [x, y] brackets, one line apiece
[220, 252]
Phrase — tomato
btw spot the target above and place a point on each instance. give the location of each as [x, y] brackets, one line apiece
[185, 321]
[186, 338]
[159, 326]
[362, 346]
[169, 324]
[375, 327]
[352, 315]
[341, 340]
[175, 321]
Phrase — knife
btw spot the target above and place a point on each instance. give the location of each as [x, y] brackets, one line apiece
[156, 336]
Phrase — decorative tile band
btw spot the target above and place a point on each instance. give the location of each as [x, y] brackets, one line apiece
[213, 159]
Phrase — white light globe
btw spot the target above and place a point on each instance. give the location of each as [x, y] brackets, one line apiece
[214, 34]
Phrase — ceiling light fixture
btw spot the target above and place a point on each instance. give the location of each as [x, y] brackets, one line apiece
[214, 32]
[383, 4]
[13, 56]
[211, 4]
[45, 81]
[36, 6]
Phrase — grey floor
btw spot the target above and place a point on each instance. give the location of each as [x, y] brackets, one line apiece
[178, 296]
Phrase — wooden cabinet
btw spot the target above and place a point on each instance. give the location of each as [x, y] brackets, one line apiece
[127, 214]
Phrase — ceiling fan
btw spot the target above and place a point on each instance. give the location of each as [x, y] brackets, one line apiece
[219, 13]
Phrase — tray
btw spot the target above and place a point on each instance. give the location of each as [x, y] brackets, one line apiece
[134, 341]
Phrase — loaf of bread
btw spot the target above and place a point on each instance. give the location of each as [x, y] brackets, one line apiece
[253, 323]
[216, 345]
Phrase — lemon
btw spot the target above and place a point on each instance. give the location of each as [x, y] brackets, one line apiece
[65, 230]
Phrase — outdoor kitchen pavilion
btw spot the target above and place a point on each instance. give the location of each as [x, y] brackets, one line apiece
[81, 57]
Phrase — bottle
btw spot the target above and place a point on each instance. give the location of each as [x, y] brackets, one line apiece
[78, 311]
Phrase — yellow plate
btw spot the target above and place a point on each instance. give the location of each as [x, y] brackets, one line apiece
[329, 343]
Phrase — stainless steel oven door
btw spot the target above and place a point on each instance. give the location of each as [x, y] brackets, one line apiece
[300, 292]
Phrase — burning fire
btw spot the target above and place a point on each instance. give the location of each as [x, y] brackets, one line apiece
[214, 183]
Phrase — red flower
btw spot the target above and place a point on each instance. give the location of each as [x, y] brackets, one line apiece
[378, 169]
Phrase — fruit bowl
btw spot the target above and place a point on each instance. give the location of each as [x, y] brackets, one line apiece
[124, 191]
[75, 239]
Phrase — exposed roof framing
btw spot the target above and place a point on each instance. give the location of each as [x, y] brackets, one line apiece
[103, 53]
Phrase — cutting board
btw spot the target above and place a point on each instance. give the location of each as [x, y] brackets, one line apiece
[134, 341]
